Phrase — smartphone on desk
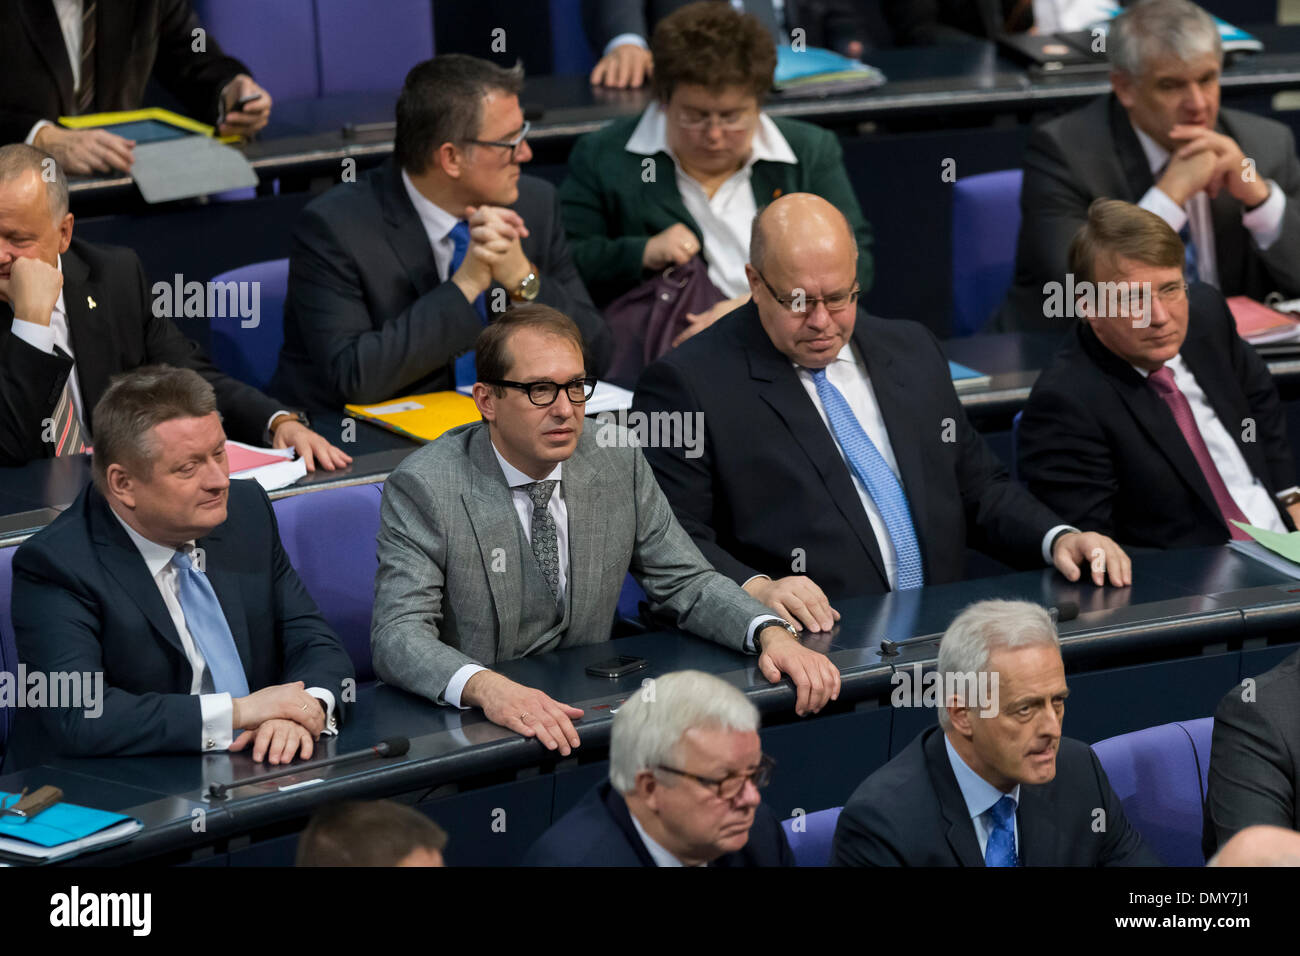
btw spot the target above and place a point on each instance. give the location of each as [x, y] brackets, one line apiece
[616, 666]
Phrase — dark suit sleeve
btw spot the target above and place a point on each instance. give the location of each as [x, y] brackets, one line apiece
[196, 78]
[687, 483]
[1265, 405]
[600, 253]
[1251, 770]
[245, 411]
[31, 383]
[1121, 844]
[56, 624]
[863, 838]
[1066, 460]
[1282, 257]
[1052, 208]
[313, 653]
[360, 362]
[830, 180]
[605, 19]
[562, 288]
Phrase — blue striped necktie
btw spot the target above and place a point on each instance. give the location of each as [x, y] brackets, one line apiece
[208, 626]
[1001, 847]
[465, 373]
[1190, 257]
[878, 478]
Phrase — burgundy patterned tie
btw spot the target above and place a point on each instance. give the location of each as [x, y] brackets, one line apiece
[1162, 380]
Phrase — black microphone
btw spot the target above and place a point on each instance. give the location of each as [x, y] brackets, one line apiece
[389, 747]
[1065, 611]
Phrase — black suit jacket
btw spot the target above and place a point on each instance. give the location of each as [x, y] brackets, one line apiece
[134, 40]
[599, 832]
[921, 22]
[1255, 757]
[120, 332]
[771, 478]
[367, 317]
[911, 812]
[1093, 153]
[828, 23]
[84, 601]
[1100, 447]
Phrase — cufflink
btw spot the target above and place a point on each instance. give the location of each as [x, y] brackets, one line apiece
[210, 745]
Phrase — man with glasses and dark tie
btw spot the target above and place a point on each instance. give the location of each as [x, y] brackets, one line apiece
[1155, 422]
[512, 536]
[836, 458]
[393, 275]
[686, 768]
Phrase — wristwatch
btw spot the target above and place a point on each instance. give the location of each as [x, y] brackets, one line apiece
[291, 416]
[527, 289]
[775, 622]
[1289, 496]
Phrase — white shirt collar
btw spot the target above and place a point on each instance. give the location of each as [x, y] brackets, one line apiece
[156, 556]
[979, 794]
[651, 136]
[1175, 364]
[59, 305]
[1156, 154]
[661, 856]
[436, 220]
[515, 477]
[845, 354]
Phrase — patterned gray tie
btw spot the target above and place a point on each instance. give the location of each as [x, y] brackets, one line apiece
[545, 548]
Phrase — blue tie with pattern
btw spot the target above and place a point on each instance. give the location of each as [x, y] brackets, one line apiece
[872, 470]
[1001, 847]
[465, 374]
[1190, 257]
[209, 628]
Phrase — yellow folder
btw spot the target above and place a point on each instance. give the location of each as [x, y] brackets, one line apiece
[422, 417]
[96, 120]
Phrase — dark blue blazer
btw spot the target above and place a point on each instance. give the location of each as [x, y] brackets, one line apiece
[599, 832]
[83, 600]
[911, 812]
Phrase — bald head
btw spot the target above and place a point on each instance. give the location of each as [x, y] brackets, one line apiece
[799, 226]
[1260, 846]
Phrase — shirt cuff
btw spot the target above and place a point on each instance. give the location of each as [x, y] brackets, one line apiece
[755, 577]
[270, 435]
[1265, 220]
[1157, 201]
[456, 686]
[622, 39]
[1050, 537]
[37, 336]
[751, 638]
[31, 136]
[217, 711]
[327, 698]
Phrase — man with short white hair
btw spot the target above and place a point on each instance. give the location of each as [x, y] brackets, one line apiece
[685, 768]
[1227, 181]
[995, 784]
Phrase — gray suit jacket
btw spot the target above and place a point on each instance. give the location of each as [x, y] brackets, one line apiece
[1093, 153]
[448, 520]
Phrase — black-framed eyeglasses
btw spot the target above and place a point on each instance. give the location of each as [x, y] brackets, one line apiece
[545, 393]
[835, 302]
[511, 144]
[729, 787]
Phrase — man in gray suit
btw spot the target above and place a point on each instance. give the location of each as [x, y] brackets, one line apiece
[512, 536]
[1227, 182]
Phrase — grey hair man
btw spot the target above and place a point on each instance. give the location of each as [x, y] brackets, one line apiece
[995, 784]
[1228, 182]
[685, 768]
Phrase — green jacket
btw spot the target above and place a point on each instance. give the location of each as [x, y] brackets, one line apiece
[610, 212]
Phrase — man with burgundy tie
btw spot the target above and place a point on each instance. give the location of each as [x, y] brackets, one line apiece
[391, 277]
[836, 459]
[168, 580]
[1155, 422]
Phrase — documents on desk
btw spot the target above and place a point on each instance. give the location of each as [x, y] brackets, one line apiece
[272, 468]
[1280, 551]
[61, 831]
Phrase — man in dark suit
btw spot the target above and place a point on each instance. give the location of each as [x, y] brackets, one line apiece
[685, 768]
[1225, 180]
[166, 583]
[1254, 771]
[619, 31]
[73, 314]
[1155, 422]
[834, 446]
[995, 784]
[70, 57]
[391, 278]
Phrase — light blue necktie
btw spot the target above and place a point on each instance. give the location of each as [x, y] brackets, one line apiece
[879, 479]
[1190, 257]
[1001, 847]
[465, 373]
[209, 628]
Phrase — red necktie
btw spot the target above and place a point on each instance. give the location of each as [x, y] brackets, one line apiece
[1162, 380]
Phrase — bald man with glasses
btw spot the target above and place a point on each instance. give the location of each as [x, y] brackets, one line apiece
[836, 457]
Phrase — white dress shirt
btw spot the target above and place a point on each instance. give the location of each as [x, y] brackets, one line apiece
[1250, 495]
[1066, 16]
[216, 710]
[661, 856]
[1264, 222]
[848, 374]
[980, 797]
[726, 218]
[437, 223]
[46, 337]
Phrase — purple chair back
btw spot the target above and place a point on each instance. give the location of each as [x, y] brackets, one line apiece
[251, 354]
[811, 841]
[985, 227]
[330, 539]
[365, 50]
[276, 40]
